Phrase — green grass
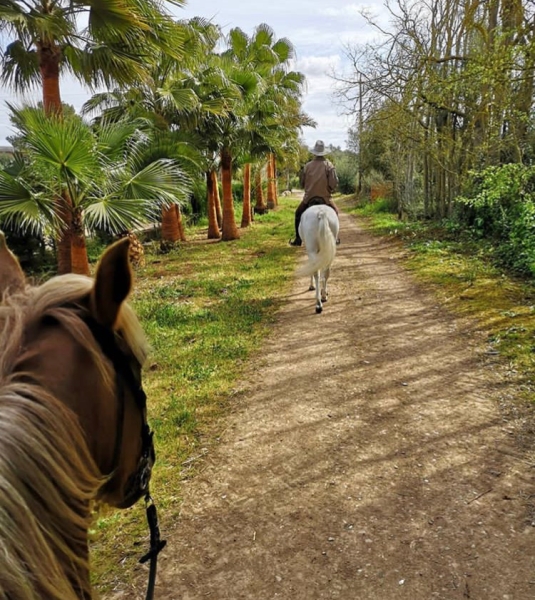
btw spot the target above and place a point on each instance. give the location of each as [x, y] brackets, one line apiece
[206, 308]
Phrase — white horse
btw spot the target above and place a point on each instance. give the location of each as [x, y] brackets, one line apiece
[319, 231]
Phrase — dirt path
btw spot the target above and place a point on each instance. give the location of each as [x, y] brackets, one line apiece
[367, 459]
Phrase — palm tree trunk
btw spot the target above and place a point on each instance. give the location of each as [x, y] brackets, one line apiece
[49, 58]
[270, 188]
[260, 207]
[230, 231]
[217, 200]
[246, 214]
[170, 228]
[64, 237]
[213, 226]
[180, 222]
[79, 260]
[274, 175]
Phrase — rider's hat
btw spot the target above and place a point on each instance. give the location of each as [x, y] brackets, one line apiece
[319, 148]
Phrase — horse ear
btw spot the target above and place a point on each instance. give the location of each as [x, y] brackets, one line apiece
[11, 275]
[113, 282]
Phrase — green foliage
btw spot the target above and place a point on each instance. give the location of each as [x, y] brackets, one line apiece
[96, 245]
[500, 205]
[347, 171]
[36, 254]
[381, 205]
[105, 53]
[237, 191]
[198, 200]
[5, 159]
[294, 182]
[114, 173]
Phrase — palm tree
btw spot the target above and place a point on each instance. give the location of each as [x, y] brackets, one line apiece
[273, 109]
[186, 101]
[106, 171]
[45, 40]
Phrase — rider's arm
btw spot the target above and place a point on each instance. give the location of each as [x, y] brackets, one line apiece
[332, 179]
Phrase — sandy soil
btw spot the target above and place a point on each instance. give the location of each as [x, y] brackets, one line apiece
[375, 454]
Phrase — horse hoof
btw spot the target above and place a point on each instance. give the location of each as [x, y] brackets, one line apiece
[324, 299]
[318, 309]
[311, 288]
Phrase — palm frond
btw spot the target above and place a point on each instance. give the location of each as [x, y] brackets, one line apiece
[66, 143]
[162, 181]
[21, 209]
[183, 99]
[20, 67]
[114, 138]
[116, 215]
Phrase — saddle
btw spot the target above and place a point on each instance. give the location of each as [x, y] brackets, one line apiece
[316, 201]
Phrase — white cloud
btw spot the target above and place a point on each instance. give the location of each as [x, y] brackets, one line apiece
[347, 10]
[318, 65]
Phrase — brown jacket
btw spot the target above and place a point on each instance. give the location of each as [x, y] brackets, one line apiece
[318, 178]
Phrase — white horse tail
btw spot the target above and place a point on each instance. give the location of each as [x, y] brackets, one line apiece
[327, 248]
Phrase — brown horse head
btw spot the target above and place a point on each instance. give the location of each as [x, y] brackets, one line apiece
[72, 418]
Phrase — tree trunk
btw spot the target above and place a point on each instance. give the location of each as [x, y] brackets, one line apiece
[275, 183]
[246, 214]
[213, 226]
[49, 59]
[270, 186]
[180, 223]
[79, 260]
[64, 237]
[217, 201]
[260, 207]
[170, 227]
[136, 252]
[230, 231]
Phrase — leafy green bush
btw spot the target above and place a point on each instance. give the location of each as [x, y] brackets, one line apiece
[500, 204]
[347, 171]
[237, 191]
[197, 208]
[381, 205]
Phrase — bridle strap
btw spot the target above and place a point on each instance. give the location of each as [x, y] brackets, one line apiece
[156, 545]
[120, 423]
[106, 339]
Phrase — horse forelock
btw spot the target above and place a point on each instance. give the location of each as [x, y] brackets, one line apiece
[47, 475]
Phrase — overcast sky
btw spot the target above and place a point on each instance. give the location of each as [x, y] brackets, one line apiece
[318, 29]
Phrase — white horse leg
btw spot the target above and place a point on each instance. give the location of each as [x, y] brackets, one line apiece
[319, 306]
[324, 277]
[311, 287]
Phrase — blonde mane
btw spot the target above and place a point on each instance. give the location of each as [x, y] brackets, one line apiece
[47, 475]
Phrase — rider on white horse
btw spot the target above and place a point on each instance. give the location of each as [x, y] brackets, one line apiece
[319, 180]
